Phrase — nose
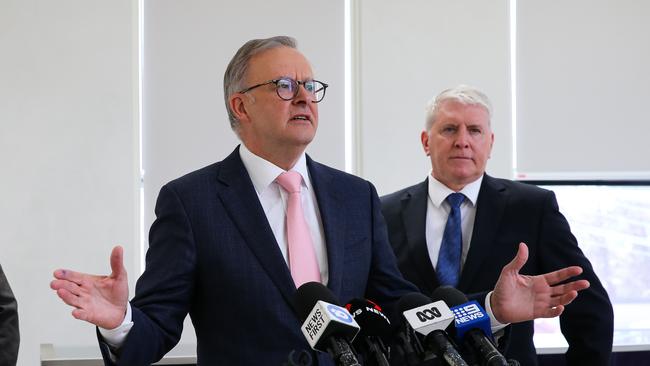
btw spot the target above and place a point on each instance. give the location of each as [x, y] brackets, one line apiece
[303, 95]
[462, 138]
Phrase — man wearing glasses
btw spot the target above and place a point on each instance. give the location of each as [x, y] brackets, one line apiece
[233, 241]
[220, 249]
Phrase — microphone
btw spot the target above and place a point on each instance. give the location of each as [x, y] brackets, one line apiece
[430, 320]
[326, 326]
[374, 325]
[473, 328]
[408, 345]
[298, 358]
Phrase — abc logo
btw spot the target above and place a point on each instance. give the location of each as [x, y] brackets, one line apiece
[339, 313]
[428, 314]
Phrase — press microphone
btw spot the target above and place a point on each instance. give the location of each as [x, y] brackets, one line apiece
[326, 326]
[473, 328]
[374, 326]
[298, 358]
[407, 344]
[430, 320]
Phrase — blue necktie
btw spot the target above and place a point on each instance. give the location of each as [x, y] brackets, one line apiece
[448, 268]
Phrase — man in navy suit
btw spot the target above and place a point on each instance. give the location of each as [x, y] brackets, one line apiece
[219, 248]
[496, 215]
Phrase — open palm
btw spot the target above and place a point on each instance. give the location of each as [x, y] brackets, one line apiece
[100, 300]
[518, 297]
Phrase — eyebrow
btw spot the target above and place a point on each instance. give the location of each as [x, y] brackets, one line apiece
[291, 77]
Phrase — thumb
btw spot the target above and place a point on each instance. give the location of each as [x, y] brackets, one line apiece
[519, 260]
[117, 262]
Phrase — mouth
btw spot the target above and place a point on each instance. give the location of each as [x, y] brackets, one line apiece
[301, 117]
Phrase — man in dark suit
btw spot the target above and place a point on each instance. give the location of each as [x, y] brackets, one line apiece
[496, 215]
[9, 333]
[220, 249]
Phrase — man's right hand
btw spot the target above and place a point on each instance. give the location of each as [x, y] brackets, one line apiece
[100, 300]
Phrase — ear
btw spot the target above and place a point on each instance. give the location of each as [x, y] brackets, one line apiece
[237, 106]
[491, 144]
[424, 137]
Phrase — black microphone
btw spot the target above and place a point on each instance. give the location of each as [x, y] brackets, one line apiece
[326, 326]
[407, 344]
[298, 358]
[430, 320]
[374, 326]
[473, 328]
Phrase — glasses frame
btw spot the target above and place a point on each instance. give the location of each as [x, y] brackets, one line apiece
[295, 93]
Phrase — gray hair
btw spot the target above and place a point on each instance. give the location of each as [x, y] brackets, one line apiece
[464, 94]
[233, 78]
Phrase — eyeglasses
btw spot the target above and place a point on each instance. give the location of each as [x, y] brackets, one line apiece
[287, 88]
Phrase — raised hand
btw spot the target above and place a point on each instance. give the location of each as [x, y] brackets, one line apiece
[100, 300]
[518, 298]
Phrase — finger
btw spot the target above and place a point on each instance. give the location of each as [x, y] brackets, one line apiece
[553, 312]
[68, 275]
[68, 297]
[67, 285]
[564, 299]
[80, 314]
[56, 284]
[519, 260]
[562, 274]
[578, 285]
[117, 262]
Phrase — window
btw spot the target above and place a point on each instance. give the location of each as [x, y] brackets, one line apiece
[611, 220]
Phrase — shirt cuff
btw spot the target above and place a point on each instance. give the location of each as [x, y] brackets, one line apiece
[115, 337]
[494, 323]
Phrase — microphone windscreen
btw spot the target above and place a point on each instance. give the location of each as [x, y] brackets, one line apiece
[308, 294]
[369, 317]
[450, 295]
[412, 301]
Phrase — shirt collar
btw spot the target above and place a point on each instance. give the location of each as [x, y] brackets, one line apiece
[438, 192]
[263, 172]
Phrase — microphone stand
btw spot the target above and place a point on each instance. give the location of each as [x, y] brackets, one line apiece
[342, 353]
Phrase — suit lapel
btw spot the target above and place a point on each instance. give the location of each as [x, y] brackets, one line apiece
[243, 206]
[332, 215]
[414, 213]
[492, 200]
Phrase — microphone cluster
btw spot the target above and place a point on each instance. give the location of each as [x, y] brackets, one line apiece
[359, 332]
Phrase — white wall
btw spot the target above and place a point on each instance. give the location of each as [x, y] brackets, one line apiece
[582, 89]
[408, 53]
[67, 147]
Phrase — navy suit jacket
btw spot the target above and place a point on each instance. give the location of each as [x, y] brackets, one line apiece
[508, 213]
[212, 253]
[9, 333]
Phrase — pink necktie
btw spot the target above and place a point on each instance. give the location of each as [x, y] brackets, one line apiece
[302, 258]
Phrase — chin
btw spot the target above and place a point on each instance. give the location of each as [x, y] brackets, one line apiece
[301, 140]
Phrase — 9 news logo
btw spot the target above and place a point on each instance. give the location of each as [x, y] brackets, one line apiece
[464, 314]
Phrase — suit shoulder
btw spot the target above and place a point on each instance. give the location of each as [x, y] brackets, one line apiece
[339, 175]
[392, 202]
[521, 188]
[396, 196]
[193, 180]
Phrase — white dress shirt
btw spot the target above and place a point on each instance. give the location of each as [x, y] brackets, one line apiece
[274, 202]
[437, 213]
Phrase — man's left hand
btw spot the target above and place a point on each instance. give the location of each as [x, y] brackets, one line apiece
[518, 297]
